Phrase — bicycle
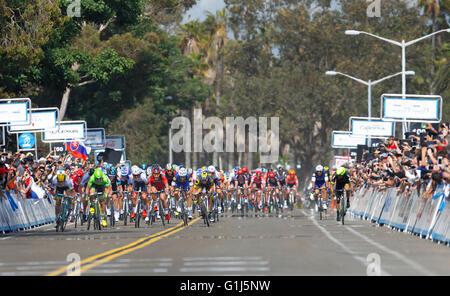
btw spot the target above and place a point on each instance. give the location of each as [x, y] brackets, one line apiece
[291, 200]
[215, 209]
[94, 212]
[64, 213]
[320, 204]
[78, 210]
[204, 207]
[183, 206]
[243, 202]
[112, 209]
[343, 203]
[138, 210]
[159, 206]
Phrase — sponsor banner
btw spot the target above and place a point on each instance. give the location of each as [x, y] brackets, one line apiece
[373, 128]
[66, 131]
[40, 121]
[341, 160]
[345, 139]
[412, 108]
[59, 148]
[95, 138]
[115, 142]
[13, 112]
[26, 141]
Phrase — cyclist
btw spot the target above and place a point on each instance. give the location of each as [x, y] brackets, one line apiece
[113, 178]
[61, 184]
[159, 182]
[320, 182]
[342, 181]
[257, 183]
[139, 183]
[99, 183]
[181, 180]
[123, 182]
[217, 179]
[272, 183]
[281, 176]
[292, 183]
[78, 187]
[240, 181]
[205, 182]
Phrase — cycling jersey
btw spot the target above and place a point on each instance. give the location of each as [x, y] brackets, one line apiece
[76, 182]
[169, 174]
[139, 184]
[177, 183]
[272, 182]
[160, 183]
[60, 187]
[241, 179]
[257, 181]
[319, 180]
[281, 177]
[341, 180]
[291, 181]
[200, 185]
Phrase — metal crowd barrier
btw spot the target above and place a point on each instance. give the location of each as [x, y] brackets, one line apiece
[408, 212]
[17, 214]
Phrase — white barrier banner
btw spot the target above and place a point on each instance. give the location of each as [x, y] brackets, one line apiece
[14, 112]
[345, 139]
[373, 128]
[95, 138]
[40, 120]
[66, 131]
[115, 143]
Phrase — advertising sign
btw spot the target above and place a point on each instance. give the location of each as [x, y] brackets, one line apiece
[341, 160]
[345, 139]
[374, 127]
[15, 111]
[40, 120]
[115, 142]
[95, 138]
[26, 141]
[66, 131]
[415, 108]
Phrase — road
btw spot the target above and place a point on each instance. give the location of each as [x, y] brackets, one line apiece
[297, 243]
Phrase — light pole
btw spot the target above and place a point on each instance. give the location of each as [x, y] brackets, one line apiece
[170, 136]
[403, 45]
[369, 85]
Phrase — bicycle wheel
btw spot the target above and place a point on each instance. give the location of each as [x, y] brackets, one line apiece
[320, 207]
[98, 216]
[76, 213]
[343, 205]
[160, 206]
[125, 212]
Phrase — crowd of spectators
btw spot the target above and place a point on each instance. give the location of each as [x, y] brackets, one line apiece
[409, 163]
[21, 173]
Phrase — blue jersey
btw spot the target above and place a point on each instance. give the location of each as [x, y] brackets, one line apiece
[177, 183]
[319, 180]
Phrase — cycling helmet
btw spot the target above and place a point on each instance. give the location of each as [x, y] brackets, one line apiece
[98, 174]
[280, 167]
[182, 172]
[340, 171]
[258, 172]
[189, 171]
[319, 168]
[292, 172]
[204, 176]
[112, 171]
[143, 166]
[135, 170]
[61, 177]
[168, 167]
[79, 173]
[240, 172]
[124, 171]
[245, 169]
[271, 175]
[175, 167]
[149, 171]
[156, 170]
[211, 169]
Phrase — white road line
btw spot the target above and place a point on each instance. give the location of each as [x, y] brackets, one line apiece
[344, 247]
[133, 270]
[222, 269]
[411, 263]
[213, 263]
[32, 263]
[145, 260]
[220, 258]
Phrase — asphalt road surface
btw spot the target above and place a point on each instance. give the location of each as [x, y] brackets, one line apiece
[297, 243]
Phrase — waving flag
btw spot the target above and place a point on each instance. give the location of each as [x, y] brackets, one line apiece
[78, 150]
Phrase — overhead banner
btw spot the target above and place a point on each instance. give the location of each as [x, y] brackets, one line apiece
[414, 108]
[375, 127]
[41, 119]
[66, 131]
[345, 139]
[15, 111]
[95, 138]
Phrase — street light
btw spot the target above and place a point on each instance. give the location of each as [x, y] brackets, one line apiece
[369, 84]
[403, 45]
[170, 135]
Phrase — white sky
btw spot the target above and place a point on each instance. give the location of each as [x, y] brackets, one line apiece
[199, 10]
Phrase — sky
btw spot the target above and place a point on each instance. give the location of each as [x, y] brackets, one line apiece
[198, 11]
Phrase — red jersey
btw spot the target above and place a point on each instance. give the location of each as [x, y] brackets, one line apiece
[291, 180]
[258, 181]
[159, 183]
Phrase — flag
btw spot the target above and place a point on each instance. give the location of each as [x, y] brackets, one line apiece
[78, 149]
[112, 156]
